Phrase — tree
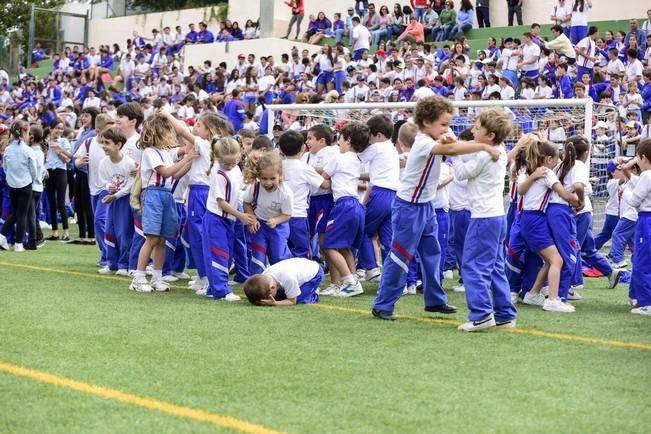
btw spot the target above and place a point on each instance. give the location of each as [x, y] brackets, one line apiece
[15, 14]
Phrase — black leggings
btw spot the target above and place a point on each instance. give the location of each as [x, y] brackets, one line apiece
[35, 213]
[21, 199]
[56, 186]
[84, 206]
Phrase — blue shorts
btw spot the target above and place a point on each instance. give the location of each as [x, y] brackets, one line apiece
[534, 230]
[159, 216]
[308, 293]
[325, 77]
[318, 212]
[250, 99]
[345, 227]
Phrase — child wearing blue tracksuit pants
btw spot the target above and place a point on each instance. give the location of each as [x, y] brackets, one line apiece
[271, 201]
[115, 172]
[638, 196]
[625, 228]
[303, 180]
[487, 290]
[383, 175]
[412, 215]
[613, 205]
[286, 283]
[219, 220]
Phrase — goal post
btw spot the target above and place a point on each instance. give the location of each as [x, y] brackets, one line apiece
[554, 119]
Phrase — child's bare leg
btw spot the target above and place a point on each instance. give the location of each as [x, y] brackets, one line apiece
[553, 258]
[337, 262]
[540, 279]
[335, 276]
[159, 254]
[350, 260]
[145, 251]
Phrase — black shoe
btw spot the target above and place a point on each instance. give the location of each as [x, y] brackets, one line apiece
[441, 308]
[53, 238]
[65, 240]
[383, 315]
[40, 243]
[87, 243]
[75, 241]
[30, 246]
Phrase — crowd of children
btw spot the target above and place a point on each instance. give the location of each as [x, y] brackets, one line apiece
[171, 198]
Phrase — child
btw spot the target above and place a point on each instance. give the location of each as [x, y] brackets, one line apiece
[413, 219]
[159, 219]
[345, 226]
[487, 290]
[384, 177]
[268, 198]
[286, 283]
[115, 172]
[38, 147]
[535, 188]
[638, 196]
[612, 210]
[219, 221]
[208, 126]
[302, 180]
[625, 228]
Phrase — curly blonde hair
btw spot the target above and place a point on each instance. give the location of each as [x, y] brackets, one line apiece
[257, 161]
[157, 132]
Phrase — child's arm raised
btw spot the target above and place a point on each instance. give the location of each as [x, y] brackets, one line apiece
[179, 126]
[178, 169]
[525, 185]
[459, 148]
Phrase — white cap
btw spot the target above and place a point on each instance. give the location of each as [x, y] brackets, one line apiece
[601, 124]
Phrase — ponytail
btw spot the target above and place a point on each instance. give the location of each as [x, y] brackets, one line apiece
[536, 153]
[17, 128]
[569, 158]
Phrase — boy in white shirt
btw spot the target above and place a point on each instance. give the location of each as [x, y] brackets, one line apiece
[286, 283]
[487, 289]
[302, 180]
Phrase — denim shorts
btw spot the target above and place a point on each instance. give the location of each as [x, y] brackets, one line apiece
[159, 215]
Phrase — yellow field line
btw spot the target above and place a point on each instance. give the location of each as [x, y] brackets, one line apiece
[522, 331]
[140, 401]
[429, 320]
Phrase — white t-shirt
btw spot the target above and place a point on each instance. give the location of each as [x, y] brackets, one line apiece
[538, 195]
[384, 164]
[626, 211]
[590, 48]
[485, 182]
[422, 92]
[117, 175]
[151, 159]
[638, 194]
[442, 198]
[420, 176]
[360, 35]
[529, 53]
[198, 172]
[633, 69]
[561, 13]
[320, 159]
[507, 93]
[131, 149]
[344, 171]
[226, 185]
[292, 273]
[584, 172]
[458, 194]
[615, 66]
[269, 204]
[509, 60]
[614, 197]
[575, 176]
[303, 180]
[580, 18]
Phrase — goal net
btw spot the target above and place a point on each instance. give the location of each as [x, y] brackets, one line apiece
[554, 120]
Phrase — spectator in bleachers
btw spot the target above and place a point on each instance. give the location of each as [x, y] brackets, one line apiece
[530, 53]
[447, 20]
[561, 16]
[236, 32]
[579, 20]
[638, 34]
[483, 13]
[463, 23]
[384, 27]
[372, 19]
[298, 12]
[514, 8]
[204, 36]
[348, 27]
[318, 29]
[192, 35]
[251, 30]
[361, 39]
[361, 7]
[586, 53]
[430, 19]
[415, 32]
[419, 8]
[561, 44]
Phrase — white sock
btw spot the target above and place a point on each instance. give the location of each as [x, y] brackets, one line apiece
[156, 274]
[350, 279]
[139, 276]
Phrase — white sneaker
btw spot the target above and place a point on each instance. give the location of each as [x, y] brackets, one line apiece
[231, 297]
[613, 278]
[122, 272]
[620, 264]
[160, 285]
[515, 297]
[510, 324]
[474, 326]
[404, 291]
[4, 245]
[170, 278]
[181, 276]
[350, 290]
[331, 289]
[448, 274]
[192, 281]
[372, 274]
[150, 270]
[573, 294]
[411, 290]
[557, 305]
[534, 299]
[105, 270]
[140, 286]
[459, 288]
[202, 291]
[361, 275]
[18, 247]
[644, 310]
[545, 291]
[199, 284]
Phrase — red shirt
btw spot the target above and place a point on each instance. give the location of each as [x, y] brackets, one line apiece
[297, 7]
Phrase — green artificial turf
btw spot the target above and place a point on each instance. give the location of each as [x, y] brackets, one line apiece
[306, 369]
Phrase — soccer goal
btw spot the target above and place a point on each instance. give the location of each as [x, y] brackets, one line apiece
[555, 120]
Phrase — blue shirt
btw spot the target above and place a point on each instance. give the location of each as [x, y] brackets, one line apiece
[19, 164]
[234, 111]
[465, 17]
[53, 161]
[39, 159]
